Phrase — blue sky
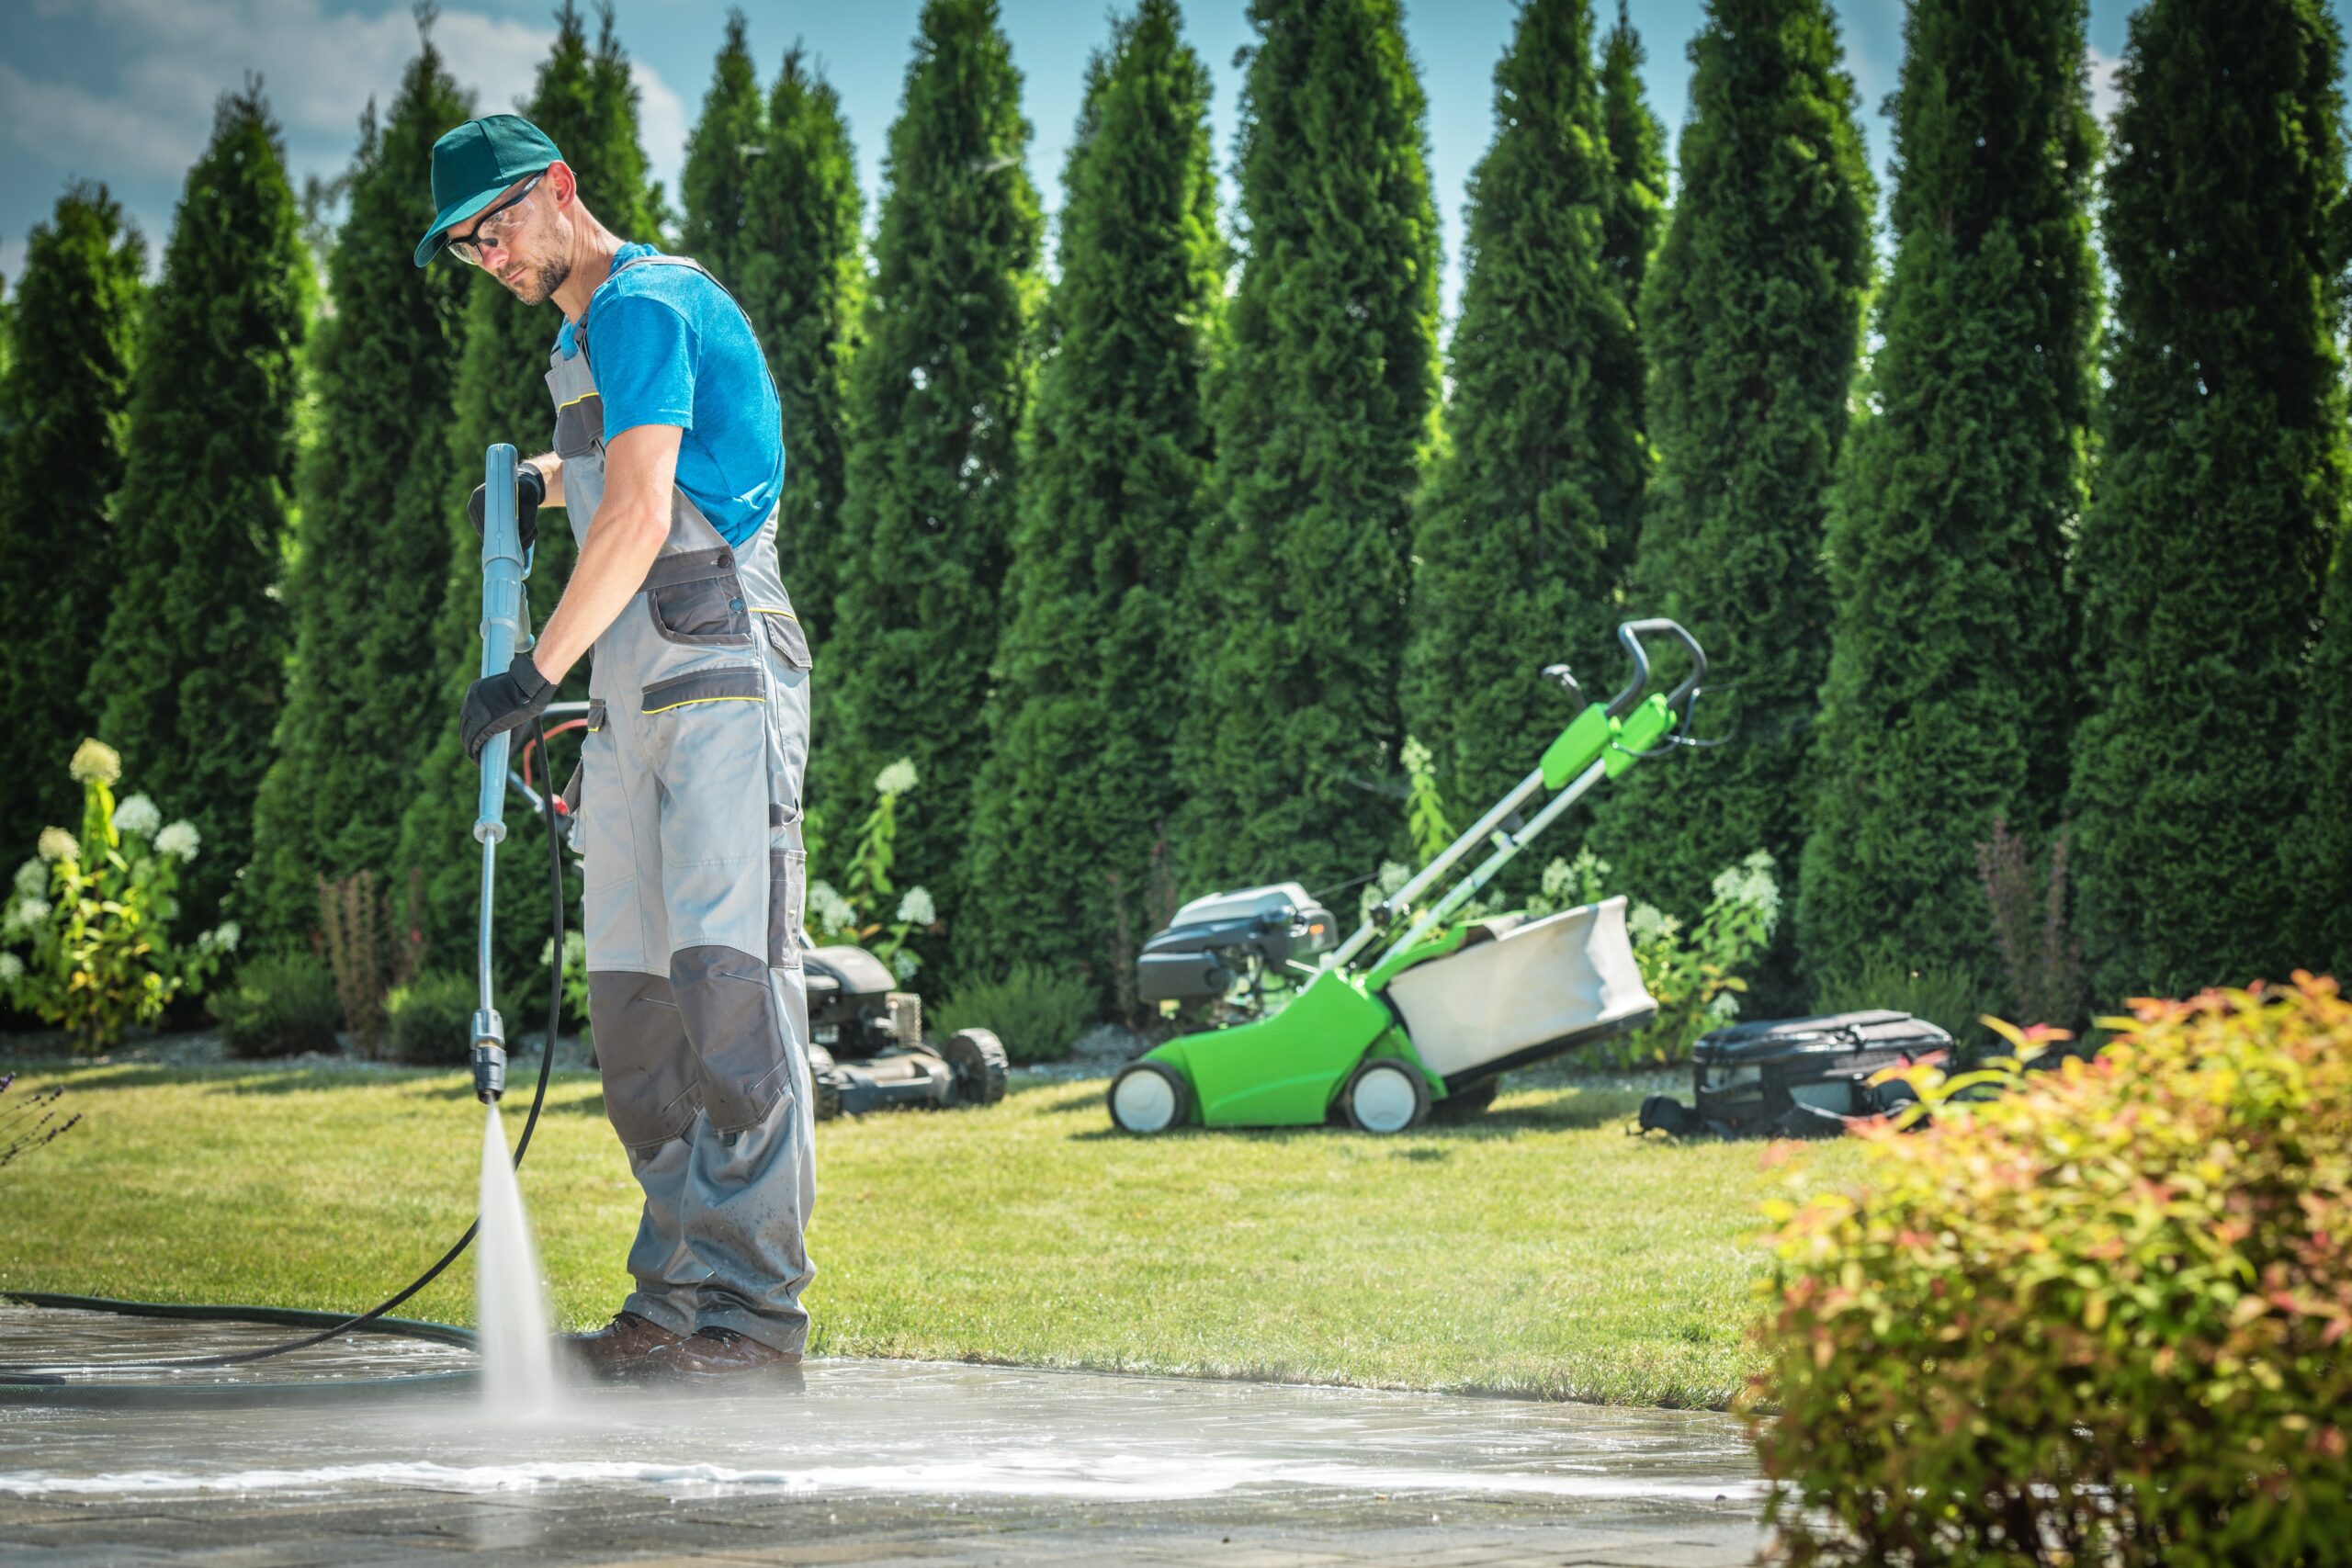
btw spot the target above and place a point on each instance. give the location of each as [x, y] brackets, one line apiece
[122, 90]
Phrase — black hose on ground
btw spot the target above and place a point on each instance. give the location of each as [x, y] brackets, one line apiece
[523, 1145]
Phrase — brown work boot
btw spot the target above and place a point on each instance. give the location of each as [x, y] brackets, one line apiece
[623, 1348]
[714, 1352]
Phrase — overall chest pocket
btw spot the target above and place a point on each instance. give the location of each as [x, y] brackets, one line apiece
[704, 612]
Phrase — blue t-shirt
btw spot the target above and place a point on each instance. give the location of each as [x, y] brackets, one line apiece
[669, 347]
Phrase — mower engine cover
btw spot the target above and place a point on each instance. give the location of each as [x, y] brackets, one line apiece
[1806, 1077]
[849, 1000]
[1205, 949]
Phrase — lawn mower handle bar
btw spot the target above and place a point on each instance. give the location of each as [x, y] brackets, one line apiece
[1489, 827]
[1630, 634]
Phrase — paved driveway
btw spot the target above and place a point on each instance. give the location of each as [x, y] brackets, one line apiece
[872, 1462]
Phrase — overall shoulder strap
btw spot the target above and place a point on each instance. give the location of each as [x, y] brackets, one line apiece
[580, 331]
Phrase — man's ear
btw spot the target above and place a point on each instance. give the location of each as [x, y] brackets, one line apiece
[562, 183]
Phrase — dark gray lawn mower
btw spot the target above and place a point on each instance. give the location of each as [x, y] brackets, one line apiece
[866, 1050]
[1797, 1078]
[869, 1051]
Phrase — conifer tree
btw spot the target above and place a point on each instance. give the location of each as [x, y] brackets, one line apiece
[65, 396]
[584, 101]
[1077, 788]
[2220, 494]
[1298, 587]
[1638, 152]
[371, 562]
[2318, 850]
[1751, 314]
[726, 142]
[938, 391]
[803, 285]
[189, 674]
[1527, 527]
[1948, 702]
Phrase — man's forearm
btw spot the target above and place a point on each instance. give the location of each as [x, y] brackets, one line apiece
[620, 551]
[622, 539]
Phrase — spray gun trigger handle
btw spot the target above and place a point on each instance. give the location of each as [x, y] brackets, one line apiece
[1565, 677]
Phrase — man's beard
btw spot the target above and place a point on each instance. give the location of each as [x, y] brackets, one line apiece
[539, 287]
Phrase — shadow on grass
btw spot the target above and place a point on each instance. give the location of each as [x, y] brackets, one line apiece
[259, 1077]
[1573, 1110]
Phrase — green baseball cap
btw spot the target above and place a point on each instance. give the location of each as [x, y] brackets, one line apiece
[472, 163]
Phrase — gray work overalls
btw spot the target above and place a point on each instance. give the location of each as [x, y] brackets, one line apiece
[689, 829]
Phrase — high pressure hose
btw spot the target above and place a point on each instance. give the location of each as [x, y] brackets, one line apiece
[539, 1094]
[504, 626]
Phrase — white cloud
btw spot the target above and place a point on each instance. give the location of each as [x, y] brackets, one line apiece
[131, 136]
[178, 56]
[2107, 92]
[319, 65]
[661, 124]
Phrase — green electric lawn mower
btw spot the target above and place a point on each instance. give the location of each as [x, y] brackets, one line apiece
[1389, 1024]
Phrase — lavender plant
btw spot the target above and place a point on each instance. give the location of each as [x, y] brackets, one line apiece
[30, 1120]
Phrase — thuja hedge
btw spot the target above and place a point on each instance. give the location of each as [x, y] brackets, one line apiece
[2100, 1317]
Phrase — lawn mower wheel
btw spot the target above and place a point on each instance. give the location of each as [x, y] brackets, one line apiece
[1385, 1096]
[981, 1066]
[1150, 1097]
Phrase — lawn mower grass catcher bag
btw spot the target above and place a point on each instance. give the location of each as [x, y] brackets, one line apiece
[1796, 1078]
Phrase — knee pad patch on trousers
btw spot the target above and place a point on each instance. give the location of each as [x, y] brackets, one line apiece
[650, 1092]
[727, 1002]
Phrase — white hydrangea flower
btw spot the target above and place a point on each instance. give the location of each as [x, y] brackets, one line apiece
[138, 818]
[575, 950]
[896, 779]
[179, 840]
[94, 759]
[23, 915]
[916, 909]
[57, 844]
[32, 878]
[12, 968]
[1648, 923]
[1723, 1008]
[227, 935]
[1751, 882]
[828, 911]
[903, 964]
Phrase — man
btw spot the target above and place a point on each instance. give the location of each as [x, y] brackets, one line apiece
[669, 459]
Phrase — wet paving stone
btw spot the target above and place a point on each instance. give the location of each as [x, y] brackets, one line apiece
[852, 1462]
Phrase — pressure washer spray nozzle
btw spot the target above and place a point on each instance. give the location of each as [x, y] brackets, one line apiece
[489, 1056]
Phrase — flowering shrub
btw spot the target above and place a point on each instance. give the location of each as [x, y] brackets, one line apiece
[2101, 1318]
[94, 911]
[856, 915]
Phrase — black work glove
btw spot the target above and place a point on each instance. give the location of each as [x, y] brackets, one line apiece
[496, 703]
[530, 492]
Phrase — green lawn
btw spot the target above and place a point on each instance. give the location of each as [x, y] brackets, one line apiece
[1535, 1250]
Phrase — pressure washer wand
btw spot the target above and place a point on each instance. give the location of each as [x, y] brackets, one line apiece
[503, 633]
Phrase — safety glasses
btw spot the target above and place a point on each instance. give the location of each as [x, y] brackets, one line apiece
[467, 247]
